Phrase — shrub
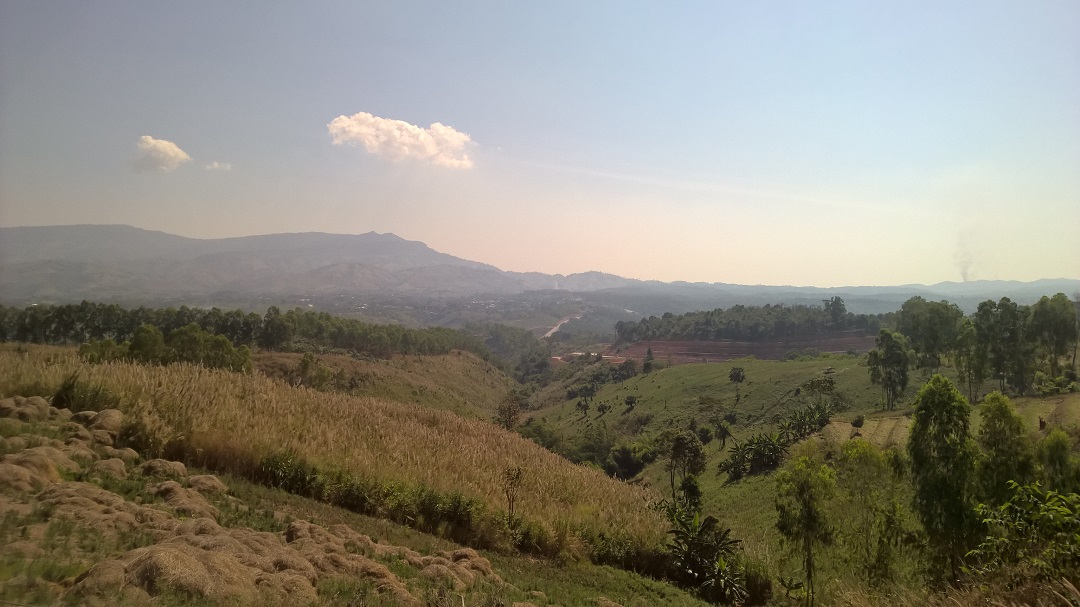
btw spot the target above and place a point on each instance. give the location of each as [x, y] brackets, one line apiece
[1034, 537]
[759, 589]
[858, 421]
[77, 395]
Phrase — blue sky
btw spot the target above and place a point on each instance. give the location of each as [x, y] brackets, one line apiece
[763, 143]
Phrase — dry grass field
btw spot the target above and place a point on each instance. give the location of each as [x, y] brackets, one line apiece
[460, 382]
[229, 422]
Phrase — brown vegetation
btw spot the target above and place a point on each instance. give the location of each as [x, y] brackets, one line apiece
[230, 422]
[130, 553]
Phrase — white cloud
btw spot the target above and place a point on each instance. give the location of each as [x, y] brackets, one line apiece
[396, 139]
[159, 154]
[218, 166]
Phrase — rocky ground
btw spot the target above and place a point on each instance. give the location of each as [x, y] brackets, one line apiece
[84, 520]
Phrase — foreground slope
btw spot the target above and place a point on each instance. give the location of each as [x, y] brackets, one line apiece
[234, 422]
[87, 523]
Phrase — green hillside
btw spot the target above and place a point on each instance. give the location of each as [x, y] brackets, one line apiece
[703, 395]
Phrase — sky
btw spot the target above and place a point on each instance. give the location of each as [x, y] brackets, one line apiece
[787, 143]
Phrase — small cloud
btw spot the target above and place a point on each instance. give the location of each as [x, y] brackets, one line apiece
[397, 139]
[218, 166]
[159, 154]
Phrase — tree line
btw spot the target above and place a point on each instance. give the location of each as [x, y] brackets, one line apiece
[1020, 348]
[190, 344]
[73, 324]
[750, 323]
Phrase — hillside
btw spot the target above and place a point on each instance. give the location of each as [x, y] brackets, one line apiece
[702, 395]
[674, 395]
[87, 523]
[460, 382]
[394, 456]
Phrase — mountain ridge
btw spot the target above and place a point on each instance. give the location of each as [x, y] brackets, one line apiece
[122, 262]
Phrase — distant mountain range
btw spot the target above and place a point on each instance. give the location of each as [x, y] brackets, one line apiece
[104, 262]
[58, 264]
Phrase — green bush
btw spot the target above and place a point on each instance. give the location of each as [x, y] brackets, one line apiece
[858, 421]
[77, 395]
[1032, 538]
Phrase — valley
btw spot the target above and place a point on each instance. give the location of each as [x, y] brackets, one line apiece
[487, 438]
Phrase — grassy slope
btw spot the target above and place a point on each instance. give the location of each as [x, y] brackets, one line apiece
[236, 420]
[671, 397]
[460, 382]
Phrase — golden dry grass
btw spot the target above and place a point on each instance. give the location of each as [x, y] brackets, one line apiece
[460, 382]
[881, 430]
[228, 415]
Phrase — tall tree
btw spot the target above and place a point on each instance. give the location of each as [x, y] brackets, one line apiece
[802, 492]
[1052, 325]
[276, 330]
[147, 345]
[1006, 454]
[943, 470]
[737, 376]
[837, 312]
[647, 366]
[1076, 342]
[871, 509]
[932, 327]
[685, 456]
[1001, 329]
[889, 364]
[970, 359]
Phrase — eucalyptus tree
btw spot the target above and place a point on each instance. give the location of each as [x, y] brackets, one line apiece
[1052, 325]
[942, 457]
[889, 364]
[803, 491]
[1006, 454]
[932, 327]
[970, 358]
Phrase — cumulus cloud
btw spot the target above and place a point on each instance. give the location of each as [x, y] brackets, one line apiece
[159, 154]
[218, 166]
[397, 139]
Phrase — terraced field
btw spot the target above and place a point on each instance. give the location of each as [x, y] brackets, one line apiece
[883, 431]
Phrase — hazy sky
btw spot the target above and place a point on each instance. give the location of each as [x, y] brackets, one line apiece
[809, 143]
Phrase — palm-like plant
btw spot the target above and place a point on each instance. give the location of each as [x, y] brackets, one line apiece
[701, 551]
[737, 462]
[727, 584]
